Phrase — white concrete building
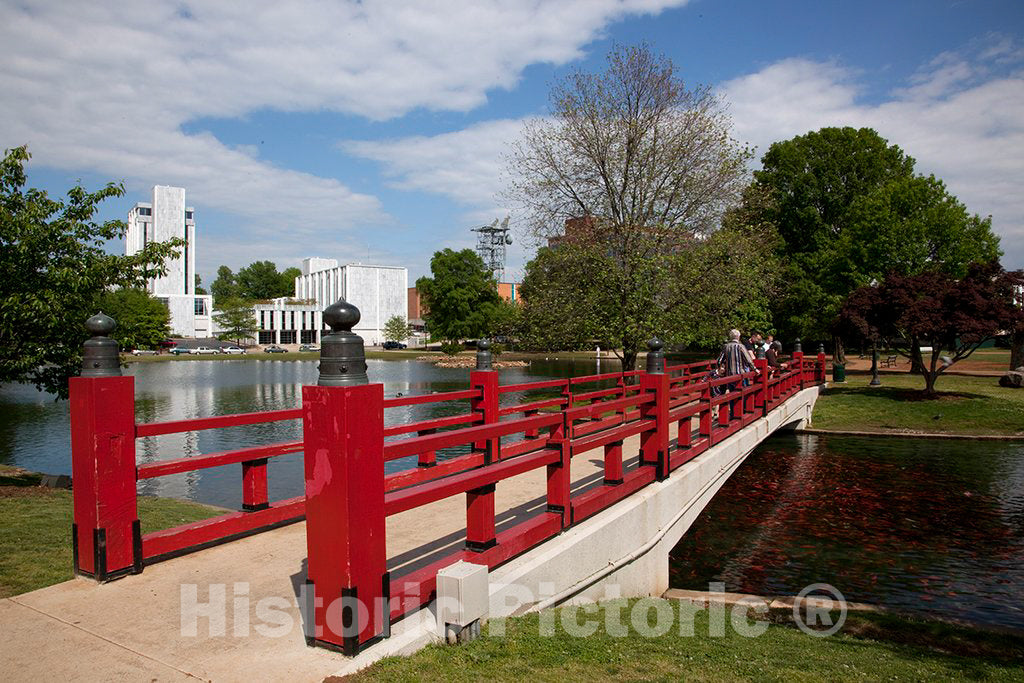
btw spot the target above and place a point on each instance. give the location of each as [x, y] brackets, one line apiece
[379, 292]
[166, 217]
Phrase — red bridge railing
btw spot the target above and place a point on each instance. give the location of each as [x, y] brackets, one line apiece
[349, 495]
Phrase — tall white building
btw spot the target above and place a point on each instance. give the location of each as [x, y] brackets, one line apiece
[166, 217]
[379, 292]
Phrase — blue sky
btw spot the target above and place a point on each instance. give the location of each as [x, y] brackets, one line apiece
[375, 131]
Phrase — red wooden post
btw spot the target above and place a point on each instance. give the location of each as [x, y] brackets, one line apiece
[559, 474]
[613, 464]
[654, 442]
[798, 362]
[106, 537]
[480, 533]
[819, 375]
[487, 405]
[254, 485]
[343, 432]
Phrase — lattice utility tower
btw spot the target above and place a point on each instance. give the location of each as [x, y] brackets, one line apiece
[490, 245]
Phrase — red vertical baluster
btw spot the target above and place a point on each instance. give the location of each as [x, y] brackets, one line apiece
[426, 458]
[254, 485]
[613, 463]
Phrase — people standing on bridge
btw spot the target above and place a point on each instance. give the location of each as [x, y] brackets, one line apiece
[736, 357]
[718, 371]
[775, 366]
[767, 343]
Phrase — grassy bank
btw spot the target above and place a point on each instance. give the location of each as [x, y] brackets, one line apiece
[35, 531]
[964, 405]
[869, 646]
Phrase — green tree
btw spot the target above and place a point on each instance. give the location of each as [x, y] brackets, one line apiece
[461, 296]
[225, 286]
[260, 280]
[640, 170]
[53, 269]
[576, 295]
[849, 210]
[288, 281]
[236, 319]
[142, 321]
[199, 285]
[396, 329]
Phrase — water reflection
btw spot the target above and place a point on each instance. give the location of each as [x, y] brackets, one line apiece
[920, 525]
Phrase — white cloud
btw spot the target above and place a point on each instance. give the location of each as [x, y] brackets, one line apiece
[961, 118]
[464, 165]
[108, 87]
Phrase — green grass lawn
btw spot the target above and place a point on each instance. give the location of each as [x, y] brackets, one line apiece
[964, 405]
[869, 646]
[35, 529]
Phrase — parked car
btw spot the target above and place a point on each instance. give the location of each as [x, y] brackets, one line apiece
[309, 347]
[203, 351]
[388, 345]
[274, 348]
[143, 352]
[178, 350]
[232, 349]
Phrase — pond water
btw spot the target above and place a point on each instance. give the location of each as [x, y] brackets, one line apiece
[928, 526]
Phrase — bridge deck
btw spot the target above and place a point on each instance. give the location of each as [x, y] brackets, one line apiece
[132, 627]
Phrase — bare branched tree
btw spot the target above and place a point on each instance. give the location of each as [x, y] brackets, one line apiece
[634, 149]
[638, 171]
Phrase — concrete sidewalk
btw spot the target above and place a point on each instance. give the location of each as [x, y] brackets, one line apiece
[132, 629]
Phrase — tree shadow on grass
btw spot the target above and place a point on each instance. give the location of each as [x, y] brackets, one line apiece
[904, 395]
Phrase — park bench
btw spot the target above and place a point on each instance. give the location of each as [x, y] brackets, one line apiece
[889, 362]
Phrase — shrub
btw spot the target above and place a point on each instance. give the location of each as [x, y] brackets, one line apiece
[451, 348]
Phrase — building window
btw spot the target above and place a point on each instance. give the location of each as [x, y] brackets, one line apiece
[292, 316]
[188, 215]
[266, 337]
[262, 324]
[287, 336]
[143, 211]
[308, 336]
[200, 307]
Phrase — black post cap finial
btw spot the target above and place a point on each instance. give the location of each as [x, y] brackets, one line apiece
[655, 357]
[342, 356]
[821, 348]
[759, 351]
[483, 355]
[796, 346]
[100, 353]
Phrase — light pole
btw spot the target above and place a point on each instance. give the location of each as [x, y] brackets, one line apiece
[875, 382]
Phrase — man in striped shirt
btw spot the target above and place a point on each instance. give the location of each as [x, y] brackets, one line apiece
[736, 357]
